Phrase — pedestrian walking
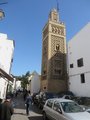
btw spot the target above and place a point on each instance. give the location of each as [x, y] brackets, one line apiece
[7, 109]
[28, 102]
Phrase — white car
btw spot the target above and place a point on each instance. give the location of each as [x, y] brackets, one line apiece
[88, 110]
[64, 109]
[66, 97]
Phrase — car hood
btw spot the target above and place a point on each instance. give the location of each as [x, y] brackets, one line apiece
[78, 116]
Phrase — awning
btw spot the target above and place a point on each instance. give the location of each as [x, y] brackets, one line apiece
[4, 74]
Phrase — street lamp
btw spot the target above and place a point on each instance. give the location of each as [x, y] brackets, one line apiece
[2, 15]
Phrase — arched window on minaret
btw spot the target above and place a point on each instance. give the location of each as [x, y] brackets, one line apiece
[57, 47]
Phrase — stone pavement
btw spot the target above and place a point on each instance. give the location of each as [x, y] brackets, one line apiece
[20, 113]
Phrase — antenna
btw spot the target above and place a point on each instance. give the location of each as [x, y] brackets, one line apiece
[57, 6]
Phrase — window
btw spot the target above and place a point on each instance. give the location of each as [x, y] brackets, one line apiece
[71, 107]
[71, 65]
[44, 72]
[56, 106]
[55, 17]
[82, 78]
[57, 47]
[80, 62]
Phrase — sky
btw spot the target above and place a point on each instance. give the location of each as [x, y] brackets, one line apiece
[24, 21]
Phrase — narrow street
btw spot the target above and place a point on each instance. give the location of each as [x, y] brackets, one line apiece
[20, 113]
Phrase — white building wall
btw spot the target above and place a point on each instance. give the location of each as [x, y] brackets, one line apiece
[6, 52]
[35, 83]
[79, 47]
[18, 85]
[14, 85]
[3, 87]
[6, 55]
[34, 86]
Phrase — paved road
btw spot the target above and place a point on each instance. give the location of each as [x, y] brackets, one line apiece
[20, 113]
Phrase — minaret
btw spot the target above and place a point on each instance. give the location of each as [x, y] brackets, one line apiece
[53, 73]
[54, 16]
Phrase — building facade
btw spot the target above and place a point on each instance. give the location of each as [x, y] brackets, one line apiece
[34, 83]
[79, 62]
[6, 59]
[6, 52]
[53, 71]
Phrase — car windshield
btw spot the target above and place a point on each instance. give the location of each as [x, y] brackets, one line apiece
[71, 107]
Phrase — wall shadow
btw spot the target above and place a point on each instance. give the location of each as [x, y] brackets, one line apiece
[35, 118]
[19, 113]
[18, 102]
[35, 109]
[55, 72]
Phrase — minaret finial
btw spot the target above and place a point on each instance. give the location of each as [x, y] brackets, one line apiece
[57, 6]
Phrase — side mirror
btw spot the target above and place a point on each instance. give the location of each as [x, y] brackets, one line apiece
[84, 108]
[59, 110]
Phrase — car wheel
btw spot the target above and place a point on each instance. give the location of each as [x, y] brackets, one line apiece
[44, 116]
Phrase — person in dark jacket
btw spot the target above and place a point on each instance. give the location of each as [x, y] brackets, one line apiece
[28, 102]
[7, 110]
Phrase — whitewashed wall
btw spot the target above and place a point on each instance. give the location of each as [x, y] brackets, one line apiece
[6, 55]
[6, 52]
[18, 85]
[34, 83]
[79, 47]
[3, 88]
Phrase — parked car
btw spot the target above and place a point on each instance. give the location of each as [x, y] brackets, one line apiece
[67, 97]
[88, 110]
[64, 109]
[43, 97]
[67, 93]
